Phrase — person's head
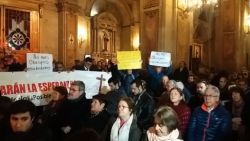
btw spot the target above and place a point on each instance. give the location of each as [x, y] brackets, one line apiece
[201, 87]
[158, 69]
[59, 93]
[170, 84]
[138, 86]
[176, 96]
[59, 67]
[125, 107]
[165, 120]
[129, 71]
[222, 81]
[21, 116]
[245, 74]
[114, 83]
[243, 84]
[88, 62]
[9, 59]
[98, 103]
[234, 75]
[180, 85]
[77, 88]
[190, 78]
[165, 80]
[237, 94]
[182, 64]
[211, 96]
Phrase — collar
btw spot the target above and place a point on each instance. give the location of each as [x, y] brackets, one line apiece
[205, 108]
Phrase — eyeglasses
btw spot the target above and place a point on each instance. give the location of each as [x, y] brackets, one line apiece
[209, 96]
[122, 107]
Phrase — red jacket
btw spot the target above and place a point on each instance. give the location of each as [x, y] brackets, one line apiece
[184, 113]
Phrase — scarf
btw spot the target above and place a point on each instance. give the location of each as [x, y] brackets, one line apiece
[121, 133]
[172, 136]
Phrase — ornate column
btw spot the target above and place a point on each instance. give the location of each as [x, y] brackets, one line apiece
[67, 38]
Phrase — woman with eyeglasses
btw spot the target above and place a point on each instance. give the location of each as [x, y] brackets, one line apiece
[125, 126]
[165, 128]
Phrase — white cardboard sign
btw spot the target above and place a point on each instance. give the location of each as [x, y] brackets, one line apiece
[161, 59]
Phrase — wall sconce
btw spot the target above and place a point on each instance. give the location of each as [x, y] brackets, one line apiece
[82, 35]
[136, 42]
[247, 24]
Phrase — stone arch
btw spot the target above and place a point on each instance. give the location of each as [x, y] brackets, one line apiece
[127, 18]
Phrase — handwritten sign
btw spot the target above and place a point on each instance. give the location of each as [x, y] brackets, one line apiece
[162, 59]
[129, 60]
[39, 62]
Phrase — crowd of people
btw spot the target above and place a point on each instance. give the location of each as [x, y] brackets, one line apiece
[156, 104]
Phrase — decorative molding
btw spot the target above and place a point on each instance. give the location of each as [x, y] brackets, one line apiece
[69, 7]
[150, 3]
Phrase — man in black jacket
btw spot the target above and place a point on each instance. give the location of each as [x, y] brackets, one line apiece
[75, 109]
[144, 103]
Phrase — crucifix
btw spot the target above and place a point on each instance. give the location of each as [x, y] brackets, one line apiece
[101, 79]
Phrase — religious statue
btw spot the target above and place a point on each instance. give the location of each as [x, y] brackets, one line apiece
[105, 42]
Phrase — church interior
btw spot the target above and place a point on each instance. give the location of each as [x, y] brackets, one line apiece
[203, 33]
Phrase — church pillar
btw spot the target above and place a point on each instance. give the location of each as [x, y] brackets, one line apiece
[149, 27]
[72, 44]
[229, 55]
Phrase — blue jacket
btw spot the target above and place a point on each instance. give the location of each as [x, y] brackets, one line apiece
[213, 126]
[156, 77]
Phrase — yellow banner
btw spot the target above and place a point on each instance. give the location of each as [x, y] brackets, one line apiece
[129, 60]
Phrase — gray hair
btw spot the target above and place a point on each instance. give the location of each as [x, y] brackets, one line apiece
[172, 82]
[214, 89]
[80, 84]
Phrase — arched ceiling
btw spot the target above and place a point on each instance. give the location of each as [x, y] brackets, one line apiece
[119, 8]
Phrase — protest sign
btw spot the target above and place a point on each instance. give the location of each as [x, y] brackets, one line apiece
[161, 59]
[39, 62]
[129, 60]
[37, 87]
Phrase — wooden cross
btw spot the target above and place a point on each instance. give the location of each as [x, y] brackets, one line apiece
[101, 79]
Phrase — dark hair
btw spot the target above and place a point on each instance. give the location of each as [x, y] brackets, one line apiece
[180, 92]
[114, 80]
[204, 82]
[101, 98]
[80, 84]
[22, 106]
[61, 90]
[139, 82]
[88, 59]
[168, 117]
[129, 101]
[5, 103]
[237, 90]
